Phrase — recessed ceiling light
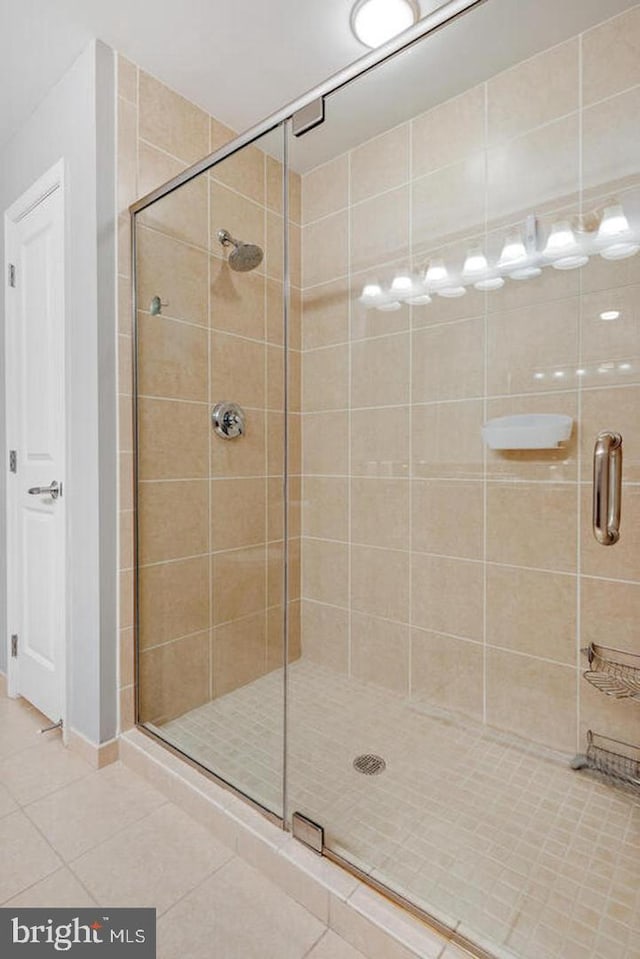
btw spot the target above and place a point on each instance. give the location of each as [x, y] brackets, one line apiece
[375, 21]
[610, 315]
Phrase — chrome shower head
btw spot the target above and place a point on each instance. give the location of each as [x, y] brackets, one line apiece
[244, 256]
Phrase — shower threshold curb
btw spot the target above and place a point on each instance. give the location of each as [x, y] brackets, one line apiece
[361, 915]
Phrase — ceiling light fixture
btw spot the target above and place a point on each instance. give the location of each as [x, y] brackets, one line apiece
[526, 273]
[402, 286]
[374, 22]
[371, 294]
[620, 251]
[437, 275]
[514, 253]
[610, 315]
[475, 265]
[614, 224]
[452, 292]
[491, 283]
[615, 234]
[562, 248]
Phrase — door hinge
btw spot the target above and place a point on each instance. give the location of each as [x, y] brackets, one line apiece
[12, 275]
[13, 461]
[306, 118]
[307, 831]
[14, 645]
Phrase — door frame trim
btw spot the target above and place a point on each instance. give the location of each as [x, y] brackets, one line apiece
[50, 182]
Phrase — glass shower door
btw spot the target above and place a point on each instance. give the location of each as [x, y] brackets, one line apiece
[211, 468]
[470, 253]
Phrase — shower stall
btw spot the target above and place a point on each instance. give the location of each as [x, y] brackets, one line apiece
[387, 472]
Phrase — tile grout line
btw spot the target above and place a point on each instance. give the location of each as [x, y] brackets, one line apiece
[323, 935]
[485, 413]
[448, 635]
[488, 147]
[372, 546]
[168, 803]
[49, 876]
[410, 419]
[118, 832]
[303, 437]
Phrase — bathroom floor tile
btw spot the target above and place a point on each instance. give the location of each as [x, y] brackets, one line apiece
[35, 772]
[25, 855]
[7, 802]
[153, 862]
[60, 890]
[77, 817]
[134, 848]
[19, 726]
[333, 947]
[237, 914]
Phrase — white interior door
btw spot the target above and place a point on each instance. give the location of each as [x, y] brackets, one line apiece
[36, 559]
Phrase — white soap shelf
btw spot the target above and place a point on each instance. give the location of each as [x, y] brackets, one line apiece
[527, 431]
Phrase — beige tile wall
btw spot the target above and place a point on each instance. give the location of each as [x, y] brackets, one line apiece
[431, 566]
[210, 512]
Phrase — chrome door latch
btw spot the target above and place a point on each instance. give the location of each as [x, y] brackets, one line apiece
[54, 491]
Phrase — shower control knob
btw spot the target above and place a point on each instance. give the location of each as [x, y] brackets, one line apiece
[228, 420]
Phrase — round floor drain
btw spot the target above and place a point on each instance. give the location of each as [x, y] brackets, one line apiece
[369, 764]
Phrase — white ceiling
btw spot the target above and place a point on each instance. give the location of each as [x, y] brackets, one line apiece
[243, 60]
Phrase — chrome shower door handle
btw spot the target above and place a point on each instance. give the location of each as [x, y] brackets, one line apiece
[607, 487]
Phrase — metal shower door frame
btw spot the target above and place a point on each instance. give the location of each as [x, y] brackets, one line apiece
[285, 118]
